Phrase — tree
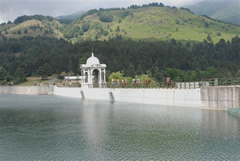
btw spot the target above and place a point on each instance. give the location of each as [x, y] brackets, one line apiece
[177, 21]
[118, 29]
[188, 43]
[206, 25]
[209, 38]
[20, 76]
[157, 74]
[105, 17]
[116, 75]
[44, 71]
[70, 74]
[130, 71]
[174, 74]
[85, 26]
[3, 73]
[193, 76]
[82, 60]
[125, 14]
[3, 76]
[62, 75]
[25, 31]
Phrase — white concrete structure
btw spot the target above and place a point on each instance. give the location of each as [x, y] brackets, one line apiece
[93, 73]
[73, 78]
[217, 98]
[176, 97]
[27, 90]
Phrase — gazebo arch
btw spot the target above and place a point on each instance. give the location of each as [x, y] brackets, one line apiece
[96, 75]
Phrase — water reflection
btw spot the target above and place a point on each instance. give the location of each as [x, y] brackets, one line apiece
[95, 124]
[58, 128]
[220, 123]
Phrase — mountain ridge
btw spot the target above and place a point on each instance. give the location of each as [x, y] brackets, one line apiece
[154, 22]
[226, 10]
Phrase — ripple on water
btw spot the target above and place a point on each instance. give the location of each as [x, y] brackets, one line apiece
[58, 128]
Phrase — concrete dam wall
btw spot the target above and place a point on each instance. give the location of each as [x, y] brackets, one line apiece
[216, 98]
[28, 90]
[220, 98]
[180, 97]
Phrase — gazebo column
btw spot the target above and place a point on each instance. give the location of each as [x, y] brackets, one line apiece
[82, 75]
[100, 77]
[104, 76]
[90, 82]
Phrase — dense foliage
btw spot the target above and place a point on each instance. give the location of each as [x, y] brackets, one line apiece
[182, 62]
[105, 17]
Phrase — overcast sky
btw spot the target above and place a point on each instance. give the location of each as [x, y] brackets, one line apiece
[11, 9]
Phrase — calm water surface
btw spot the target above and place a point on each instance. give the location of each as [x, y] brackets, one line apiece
[59, 128]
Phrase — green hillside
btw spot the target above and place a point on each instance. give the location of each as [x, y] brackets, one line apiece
[151, 23]
[32, 28]
[138, 23]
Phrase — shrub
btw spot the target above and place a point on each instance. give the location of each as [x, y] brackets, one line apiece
[85, 26]
[105, 17]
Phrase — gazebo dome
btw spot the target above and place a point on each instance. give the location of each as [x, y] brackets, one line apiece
[92, 60]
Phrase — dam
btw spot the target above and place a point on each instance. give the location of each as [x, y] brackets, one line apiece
[213, 98]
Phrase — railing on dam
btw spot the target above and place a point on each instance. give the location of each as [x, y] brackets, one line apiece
[179, 85]
[224, 81]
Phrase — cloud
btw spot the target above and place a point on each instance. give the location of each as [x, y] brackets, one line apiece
[11, 9]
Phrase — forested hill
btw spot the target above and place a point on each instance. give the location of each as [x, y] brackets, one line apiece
[31, 26]
[147, 22]
[159, 59]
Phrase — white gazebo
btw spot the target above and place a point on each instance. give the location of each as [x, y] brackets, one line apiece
[93, 73]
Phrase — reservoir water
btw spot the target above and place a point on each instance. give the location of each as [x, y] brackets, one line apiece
[61, 128]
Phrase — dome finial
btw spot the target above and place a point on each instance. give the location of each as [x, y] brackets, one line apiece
[92, 52]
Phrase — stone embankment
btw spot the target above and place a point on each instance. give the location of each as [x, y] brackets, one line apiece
[27, 90]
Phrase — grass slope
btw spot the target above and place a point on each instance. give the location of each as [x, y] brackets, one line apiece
[146, 23]
[156, 23]
[32, 28]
